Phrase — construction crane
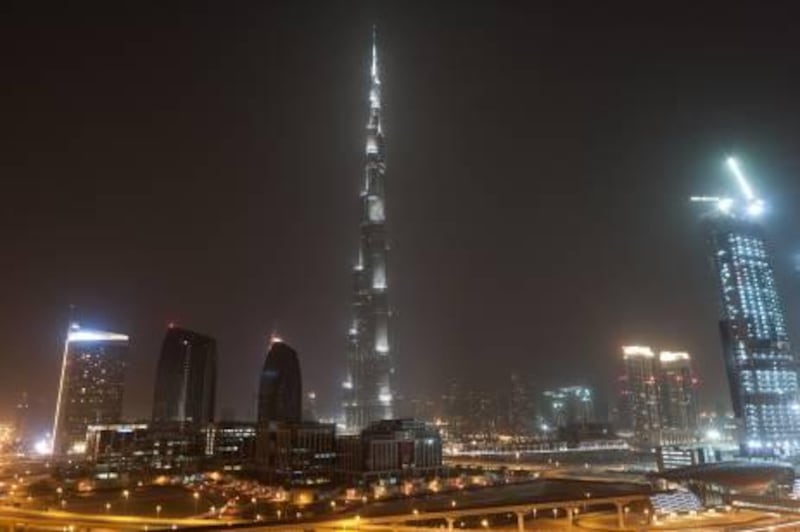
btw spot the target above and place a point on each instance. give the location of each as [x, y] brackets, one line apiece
[753, 205]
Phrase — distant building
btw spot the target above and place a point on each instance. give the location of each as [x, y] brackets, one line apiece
[390, 450]
[677, 389]
[185, 380]
[90, 388]
[280, 391]
[569, 405]
[521, 407]
[642, 393]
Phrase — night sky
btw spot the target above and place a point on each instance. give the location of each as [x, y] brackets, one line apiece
[200, 162]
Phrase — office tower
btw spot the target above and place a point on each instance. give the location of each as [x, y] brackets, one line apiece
[280, 389]
[367, 387]
[185, 381]
[390, 450]
[761, 367]
[90, 387]
[569, 405]
[677, 389]
[642, 392]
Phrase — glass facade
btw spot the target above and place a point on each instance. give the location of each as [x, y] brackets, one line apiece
[761, 367]
[280, 390]
[186, 379]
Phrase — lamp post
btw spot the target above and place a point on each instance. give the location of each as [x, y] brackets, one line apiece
[158, 510]
[125, 495]
[196, 497]
[108, 507]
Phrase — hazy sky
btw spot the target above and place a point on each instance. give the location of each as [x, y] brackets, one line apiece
[199, 162]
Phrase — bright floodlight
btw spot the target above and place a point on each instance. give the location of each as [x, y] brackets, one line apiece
[733, 164]
[725, 204]
[637, 350]
[94, 336]
[673, 356]
[755, 208]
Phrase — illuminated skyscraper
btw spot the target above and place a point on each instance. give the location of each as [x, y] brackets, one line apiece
[642, 392]
[761, 367]
[280, 390]
[185, 380]
[368, 387]
[90, 388]
[677, 389]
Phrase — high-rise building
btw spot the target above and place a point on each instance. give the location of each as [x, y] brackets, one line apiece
[368, 386]
[521, 408]
[90, 388]
[569, 405]
[280, 391]
[677, 388]
[642, 392]
[186, 380]
[761, 366]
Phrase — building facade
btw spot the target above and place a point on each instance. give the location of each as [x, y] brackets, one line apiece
[186, 380]
[280, 390]
[296, 454]
[390, 450]
[569, 405]
[90, 388]
[761, 367]
[677, 386]
[368, 383]
[642, 393]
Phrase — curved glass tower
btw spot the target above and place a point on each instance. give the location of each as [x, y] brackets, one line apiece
[280, 390]
[185, 380]
[368, 389]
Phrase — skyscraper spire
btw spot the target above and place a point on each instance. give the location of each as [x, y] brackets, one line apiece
[368, 389]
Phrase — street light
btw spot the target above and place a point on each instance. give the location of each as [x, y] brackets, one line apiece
[108, 507]
[158, 510]
[125, 495]
[196, 497]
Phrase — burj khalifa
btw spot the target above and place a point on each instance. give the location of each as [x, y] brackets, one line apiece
[368, 385]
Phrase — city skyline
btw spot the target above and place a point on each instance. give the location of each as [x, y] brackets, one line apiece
[469, 236]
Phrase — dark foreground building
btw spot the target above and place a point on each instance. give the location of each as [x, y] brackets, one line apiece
[280, 390]
[185, 381]
[390, 450]
[90, 388]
